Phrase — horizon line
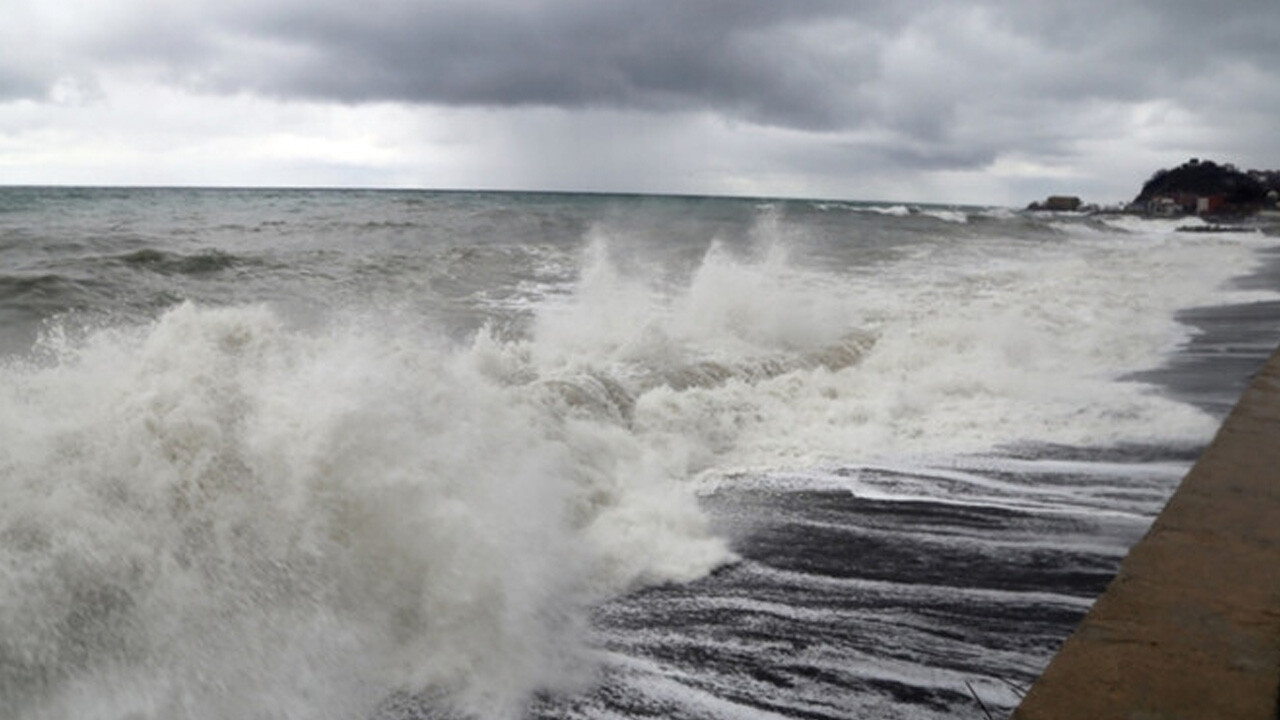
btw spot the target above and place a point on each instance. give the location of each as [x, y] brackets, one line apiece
[490, 191]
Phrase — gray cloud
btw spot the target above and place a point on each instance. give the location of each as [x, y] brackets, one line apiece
[16, 85]
[761, 61]
[751, 60]
[920, 68]
[922, 84]
[805, 64]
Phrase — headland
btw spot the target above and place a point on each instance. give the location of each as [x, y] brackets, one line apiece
[1221, 193]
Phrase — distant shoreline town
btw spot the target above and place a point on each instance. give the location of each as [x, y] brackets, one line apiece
[1219, 192]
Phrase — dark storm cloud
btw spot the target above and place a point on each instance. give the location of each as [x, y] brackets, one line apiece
[802, 64]
[924, 84]
[759, 61]
[922, 68]
[790, 64]
[766, 56]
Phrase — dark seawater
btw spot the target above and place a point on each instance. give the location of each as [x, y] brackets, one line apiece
[351, 454]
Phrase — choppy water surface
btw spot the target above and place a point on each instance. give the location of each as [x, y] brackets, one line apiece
[343, 454]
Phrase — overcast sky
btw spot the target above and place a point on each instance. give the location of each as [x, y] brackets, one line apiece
[993, 102]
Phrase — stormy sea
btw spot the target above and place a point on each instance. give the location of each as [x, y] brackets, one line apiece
[393, 455]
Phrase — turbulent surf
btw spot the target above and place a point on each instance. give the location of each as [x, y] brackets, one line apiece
[357, 454]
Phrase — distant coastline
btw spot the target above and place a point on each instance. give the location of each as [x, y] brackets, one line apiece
[1218, 192]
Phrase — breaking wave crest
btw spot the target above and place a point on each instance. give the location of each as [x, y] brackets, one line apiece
[222, 514]
[217, 515]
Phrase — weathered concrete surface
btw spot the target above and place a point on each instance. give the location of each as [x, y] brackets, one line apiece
[1190, 626]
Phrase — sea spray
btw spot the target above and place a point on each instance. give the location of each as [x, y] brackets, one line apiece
[226, 512]
[761, 361]
[216, 515]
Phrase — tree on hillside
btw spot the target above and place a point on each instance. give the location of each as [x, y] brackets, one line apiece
[1205, 178]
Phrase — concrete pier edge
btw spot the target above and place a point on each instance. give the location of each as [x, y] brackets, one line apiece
[1190, 625]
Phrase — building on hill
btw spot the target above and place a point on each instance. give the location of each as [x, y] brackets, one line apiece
[1207, 188]
[1058, 203]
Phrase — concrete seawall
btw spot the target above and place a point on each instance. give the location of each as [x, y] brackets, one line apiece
[1190, 626]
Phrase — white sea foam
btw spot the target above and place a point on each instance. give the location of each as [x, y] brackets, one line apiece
[219, 514]
[892, 210]
[955, 216]
[988, 343]
[985, 343]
